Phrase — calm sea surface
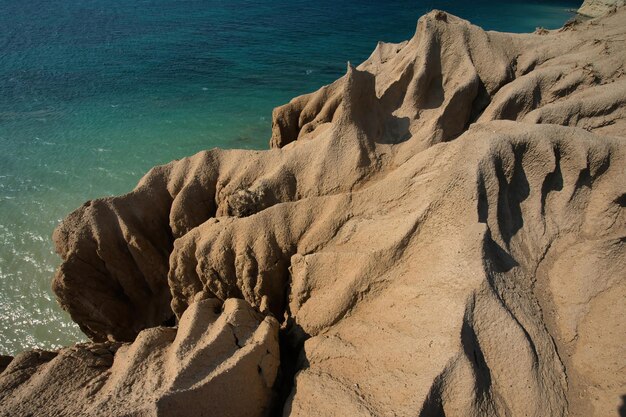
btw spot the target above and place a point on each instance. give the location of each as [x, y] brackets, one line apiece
[94, 93]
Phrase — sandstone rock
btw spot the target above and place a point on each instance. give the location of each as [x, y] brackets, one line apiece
[402, 100]
[431, 240]
[595, 8]
[221, 361]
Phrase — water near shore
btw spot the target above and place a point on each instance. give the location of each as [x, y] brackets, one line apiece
[94, 93]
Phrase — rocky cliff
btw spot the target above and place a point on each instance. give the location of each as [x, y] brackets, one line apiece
[595, 8]
[441, 231]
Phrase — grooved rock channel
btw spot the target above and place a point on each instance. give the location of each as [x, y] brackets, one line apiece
[440, 232]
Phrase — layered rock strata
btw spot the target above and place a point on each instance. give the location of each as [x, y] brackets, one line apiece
[441, 231]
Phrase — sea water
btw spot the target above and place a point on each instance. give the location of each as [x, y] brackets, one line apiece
[95, 92]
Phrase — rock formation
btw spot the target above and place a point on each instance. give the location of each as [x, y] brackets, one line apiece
[596, 8]
[441, 231]
[222, 360]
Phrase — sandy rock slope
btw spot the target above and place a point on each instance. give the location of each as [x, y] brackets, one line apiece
[441, 231]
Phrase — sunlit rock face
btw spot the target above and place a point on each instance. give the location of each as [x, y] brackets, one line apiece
[441, 231]
[596, 8]
[221, 360]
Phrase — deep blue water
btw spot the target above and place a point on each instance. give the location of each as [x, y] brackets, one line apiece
[94, 93]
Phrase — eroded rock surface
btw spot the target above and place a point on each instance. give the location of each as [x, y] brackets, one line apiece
[595, 8]
[442, 231]
[221, 361]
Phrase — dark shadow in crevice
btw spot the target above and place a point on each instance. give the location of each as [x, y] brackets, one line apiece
[396, 130]
[483, 203]
[433, 404]
[170, 322]
[511, 195]
[586, 178]
[553, 181]
[474, 354]
[429, 92]
[435, 94]
[393, 97]
[537, 97]
[292, 360]
[479, 104]
[499, 259]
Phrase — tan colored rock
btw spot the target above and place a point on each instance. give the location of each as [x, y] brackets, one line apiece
[221, 361]
[431, 240]
[429, 289]
[403, 99]
[595, 8]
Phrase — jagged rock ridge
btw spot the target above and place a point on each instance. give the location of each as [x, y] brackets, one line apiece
[595, 8]
[222, 360]
[431, 241]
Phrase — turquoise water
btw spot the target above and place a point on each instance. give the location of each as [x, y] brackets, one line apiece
[94, 93]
